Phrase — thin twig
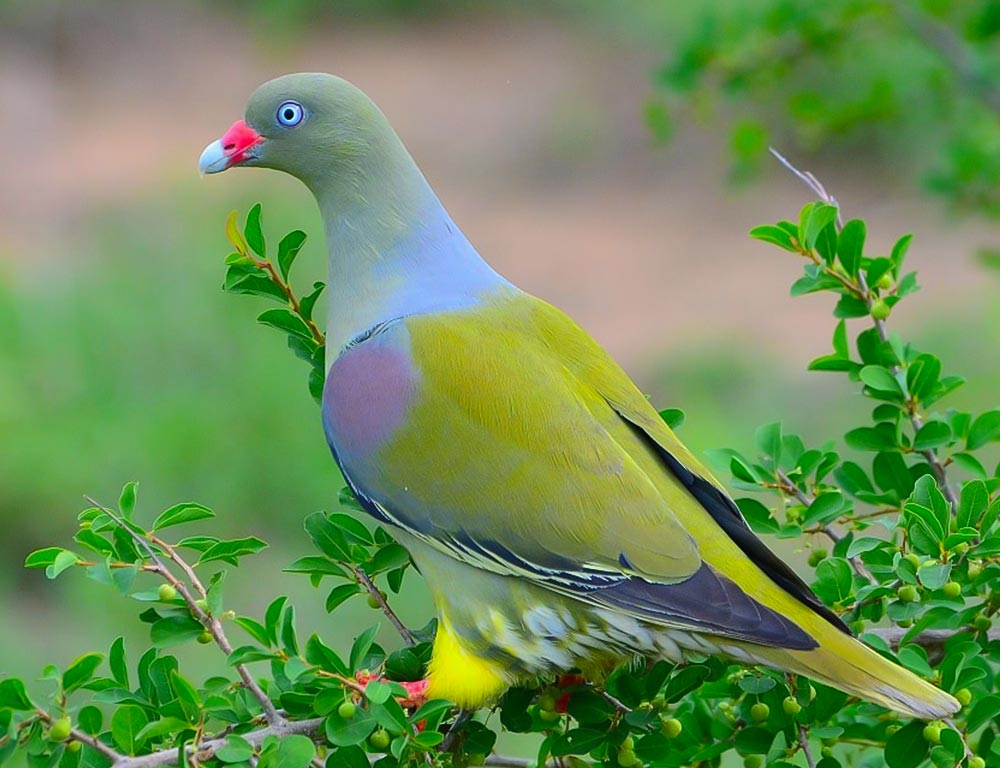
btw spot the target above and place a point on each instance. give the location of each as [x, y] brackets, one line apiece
[804, 746]
[915, 420]
[365, 580]
[207, 749]
[83, 738]
[787, 485]
[213, 625]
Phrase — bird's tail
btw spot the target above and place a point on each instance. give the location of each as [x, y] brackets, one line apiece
[845, 663]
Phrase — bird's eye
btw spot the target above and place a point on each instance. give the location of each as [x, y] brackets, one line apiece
[290, 114]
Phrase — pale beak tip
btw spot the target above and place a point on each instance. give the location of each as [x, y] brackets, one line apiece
[213, 159]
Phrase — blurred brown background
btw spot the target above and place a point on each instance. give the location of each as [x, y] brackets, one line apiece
[121, 359]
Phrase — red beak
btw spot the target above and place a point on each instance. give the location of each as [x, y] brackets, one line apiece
[232, 149]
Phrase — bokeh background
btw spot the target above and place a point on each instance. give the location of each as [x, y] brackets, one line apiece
[550, 131]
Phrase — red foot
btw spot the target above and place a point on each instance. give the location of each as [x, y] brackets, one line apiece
[416, 692]
[567, 681]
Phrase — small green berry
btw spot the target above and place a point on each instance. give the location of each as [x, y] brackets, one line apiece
[826, 752]
[373, 602]
[166, 593]
[475, 758]
[885, 282]
[627, 743]
[952, 589]
[982, 623]
[760, 711]
[548, 715]
[964, 696]
[816, 557]
[59, 730]
[961, 548]
[912, 558]
[753, 761]
[380, 739]
[74, 746]
[627, 758]
[347, 710]
[975, 568]
[205, 637]
[671, 727]
[791, 706]
[892, 728]
[932, 733]
[202, 604]
[977, 762]
[908, 593]
[881, 310]
[905, 623]
[829, 741]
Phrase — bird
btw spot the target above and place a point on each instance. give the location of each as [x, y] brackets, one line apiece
[557, 520]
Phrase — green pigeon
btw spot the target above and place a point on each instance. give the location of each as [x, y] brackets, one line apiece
[558, 521]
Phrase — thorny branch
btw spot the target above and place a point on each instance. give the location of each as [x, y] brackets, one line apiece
[915, 419]
[212, 623]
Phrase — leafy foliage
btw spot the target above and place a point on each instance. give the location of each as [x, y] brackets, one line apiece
[902, 523]
[899, 73]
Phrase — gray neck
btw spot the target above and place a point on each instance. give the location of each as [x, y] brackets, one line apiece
[393, 252]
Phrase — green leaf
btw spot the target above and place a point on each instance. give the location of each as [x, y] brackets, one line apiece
[341, 594]
[13, 696]
[973, 502]
[899, 252]
[43, 558]
[187, 512]
[933, 434]
[315, 564]
[345, 733]
[294, 751]
[307, 302]
[81, 671]
[673, 417]
[288, 639]
[235, 750]
[327, 537]
[879, 379]
[363, 643]
[231, 551]
[187, 697]
[768, 440]
[288, 249]
[126, 502]
[253, 233]
[906, 748]
[818, 217]
[63, 560]
[126, 723]
[685, 680]
[881, 437]
[116, 662]
[922, 376]
[985, 710]
[90, 719]
[285, 320]
[173, 630]
[320, 655]
[984, 429]
[769, 233]
[840, 340]
[834, 581]
[756, 684]
[850, 245]
[578, 741]
[255, 629]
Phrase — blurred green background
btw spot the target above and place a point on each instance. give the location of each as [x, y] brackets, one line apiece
[541, 125]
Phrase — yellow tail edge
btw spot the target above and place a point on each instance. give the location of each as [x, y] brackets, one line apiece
[845, 663]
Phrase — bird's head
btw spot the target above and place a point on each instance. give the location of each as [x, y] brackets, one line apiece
[313, 126]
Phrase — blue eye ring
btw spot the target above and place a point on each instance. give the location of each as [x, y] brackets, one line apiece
[290, 114]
